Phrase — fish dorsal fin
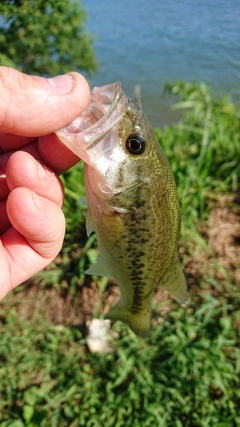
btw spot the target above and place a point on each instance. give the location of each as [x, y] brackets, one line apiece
[89, 223]
[175, 283]
[97, 269]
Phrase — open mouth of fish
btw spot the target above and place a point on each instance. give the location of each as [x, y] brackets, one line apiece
[96, 125]
[92, 135]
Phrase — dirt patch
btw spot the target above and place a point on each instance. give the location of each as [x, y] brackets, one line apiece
[221, 255]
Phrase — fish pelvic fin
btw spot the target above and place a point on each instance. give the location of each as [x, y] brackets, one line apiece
[97, 269]
[175, 283]
[138, 322]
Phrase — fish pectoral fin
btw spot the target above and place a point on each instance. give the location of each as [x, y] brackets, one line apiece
[89, 223]
[97, 269]
[175, 283]
[138, 322]
[83, 202]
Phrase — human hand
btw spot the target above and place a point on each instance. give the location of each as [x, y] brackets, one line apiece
[32, 224]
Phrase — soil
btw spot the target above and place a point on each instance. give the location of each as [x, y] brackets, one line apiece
[221, 234]
[221, 254]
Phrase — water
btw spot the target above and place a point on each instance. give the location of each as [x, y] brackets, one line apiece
[155, 41]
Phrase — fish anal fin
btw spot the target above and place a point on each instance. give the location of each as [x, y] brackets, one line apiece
[138, 322]
[175, 283]
[97, 269]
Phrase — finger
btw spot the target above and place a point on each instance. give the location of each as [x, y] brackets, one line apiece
[55, 154]
[10, 141]
[35, 240]
[4, 158]
[58, 157]
[34, 106]
[5, 224]
[47, 149]
[23, 170]
[4, 190]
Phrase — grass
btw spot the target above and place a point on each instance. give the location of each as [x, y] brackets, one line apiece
[187, 373]
[203, 149]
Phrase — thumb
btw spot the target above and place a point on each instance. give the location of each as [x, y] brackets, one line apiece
[35, 106]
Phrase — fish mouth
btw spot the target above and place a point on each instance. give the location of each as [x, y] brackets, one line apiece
[104, 111]
[104, 120]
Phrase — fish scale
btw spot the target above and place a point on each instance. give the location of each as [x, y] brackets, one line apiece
[132, 205]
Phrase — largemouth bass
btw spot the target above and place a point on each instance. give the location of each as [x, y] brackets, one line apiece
[132, 203]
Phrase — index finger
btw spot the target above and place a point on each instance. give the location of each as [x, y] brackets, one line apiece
[55, 154]
[48, 149]
[9, 141]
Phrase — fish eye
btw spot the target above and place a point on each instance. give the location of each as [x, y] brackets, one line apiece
[135, 144]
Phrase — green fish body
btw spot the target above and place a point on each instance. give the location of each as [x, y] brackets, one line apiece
[132, 207]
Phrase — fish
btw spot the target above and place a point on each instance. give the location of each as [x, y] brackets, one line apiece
[133, 205]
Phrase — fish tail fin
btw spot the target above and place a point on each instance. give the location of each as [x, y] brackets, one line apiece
[175, 283]
[138, 322]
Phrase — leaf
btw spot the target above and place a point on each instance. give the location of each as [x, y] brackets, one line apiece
[28, 412]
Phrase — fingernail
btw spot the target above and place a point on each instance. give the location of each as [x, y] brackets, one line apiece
[41, 170]
[61, 84]
[37, 200]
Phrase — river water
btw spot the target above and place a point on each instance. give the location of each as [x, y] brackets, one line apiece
[152, 42]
